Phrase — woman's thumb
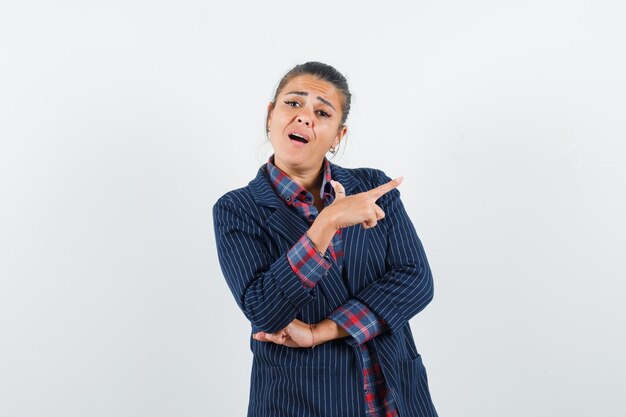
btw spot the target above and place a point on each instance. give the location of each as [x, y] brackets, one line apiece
[340, 192]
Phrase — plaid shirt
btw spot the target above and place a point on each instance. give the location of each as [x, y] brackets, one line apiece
[309, 265]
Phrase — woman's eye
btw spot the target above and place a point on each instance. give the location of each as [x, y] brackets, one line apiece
[323, 113]
[292, 103]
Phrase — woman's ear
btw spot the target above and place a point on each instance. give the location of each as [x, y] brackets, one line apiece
[270, 107]
[342, 132]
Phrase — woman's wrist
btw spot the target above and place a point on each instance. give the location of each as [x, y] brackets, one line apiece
[322, 231]
[327, 330]
[327, 216]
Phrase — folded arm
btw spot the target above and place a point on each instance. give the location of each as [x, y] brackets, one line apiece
[387, 303]
[267, 290]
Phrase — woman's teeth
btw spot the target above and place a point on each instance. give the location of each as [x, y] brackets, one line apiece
[295, 136]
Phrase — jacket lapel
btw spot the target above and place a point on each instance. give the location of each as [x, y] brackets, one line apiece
[283, 220]
[287, 223]
[355, 238]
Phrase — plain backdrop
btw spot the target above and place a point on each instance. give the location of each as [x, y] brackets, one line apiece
[122, 122]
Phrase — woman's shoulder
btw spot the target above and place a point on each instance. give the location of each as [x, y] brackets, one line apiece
[233, 196]
[249, 198]
[239, 205]
[367, 177]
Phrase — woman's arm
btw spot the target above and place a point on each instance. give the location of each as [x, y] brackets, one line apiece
[266, 289]
[395, 297]
[407, 286]
[269, 291]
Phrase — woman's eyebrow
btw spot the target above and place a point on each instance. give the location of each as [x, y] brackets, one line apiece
[323, 100]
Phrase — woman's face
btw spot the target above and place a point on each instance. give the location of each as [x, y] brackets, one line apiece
[304, 123]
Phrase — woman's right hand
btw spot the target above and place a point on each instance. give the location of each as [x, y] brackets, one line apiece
[347, 211]
[359, 208]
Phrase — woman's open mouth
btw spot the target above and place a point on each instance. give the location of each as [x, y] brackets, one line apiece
[298, 138]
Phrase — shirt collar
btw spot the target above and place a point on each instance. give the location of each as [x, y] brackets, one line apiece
[289, 190]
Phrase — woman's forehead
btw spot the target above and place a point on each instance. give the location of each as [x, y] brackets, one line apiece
[314, 87]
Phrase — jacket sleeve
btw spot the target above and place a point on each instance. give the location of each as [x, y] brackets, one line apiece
[407, 285]
[267, 290]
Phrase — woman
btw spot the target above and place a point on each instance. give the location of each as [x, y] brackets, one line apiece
[326, 265]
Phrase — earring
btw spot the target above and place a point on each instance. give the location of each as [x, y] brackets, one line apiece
[332, 150]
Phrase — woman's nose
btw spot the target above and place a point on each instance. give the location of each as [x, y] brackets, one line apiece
[304, 120]
[304, 117]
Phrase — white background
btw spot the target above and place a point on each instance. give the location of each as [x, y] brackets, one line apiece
[121, 123]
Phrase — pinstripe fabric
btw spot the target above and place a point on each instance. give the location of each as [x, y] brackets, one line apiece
[308, 264]
[385, 268]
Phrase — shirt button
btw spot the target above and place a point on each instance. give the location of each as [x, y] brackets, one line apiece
[311, 217]
[288, 199]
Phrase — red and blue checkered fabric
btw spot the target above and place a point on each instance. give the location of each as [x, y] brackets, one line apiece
[308, 264]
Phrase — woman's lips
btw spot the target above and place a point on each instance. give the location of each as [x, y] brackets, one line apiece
[298, 138]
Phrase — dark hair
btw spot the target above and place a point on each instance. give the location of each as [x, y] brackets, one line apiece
[323, 72]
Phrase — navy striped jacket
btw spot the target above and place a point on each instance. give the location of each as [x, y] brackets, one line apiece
[385, 268]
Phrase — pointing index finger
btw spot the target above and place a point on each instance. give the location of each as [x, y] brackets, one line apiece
[385, 188]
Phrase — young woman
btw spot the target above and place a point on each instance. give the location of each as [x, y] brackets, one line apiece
[326, 265]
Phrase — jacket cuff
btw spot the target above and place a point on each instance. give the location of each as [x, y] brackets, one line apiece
[297, 295]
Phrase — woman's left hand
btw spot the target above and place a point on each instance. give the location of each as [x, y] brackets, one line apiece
[297, 334]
